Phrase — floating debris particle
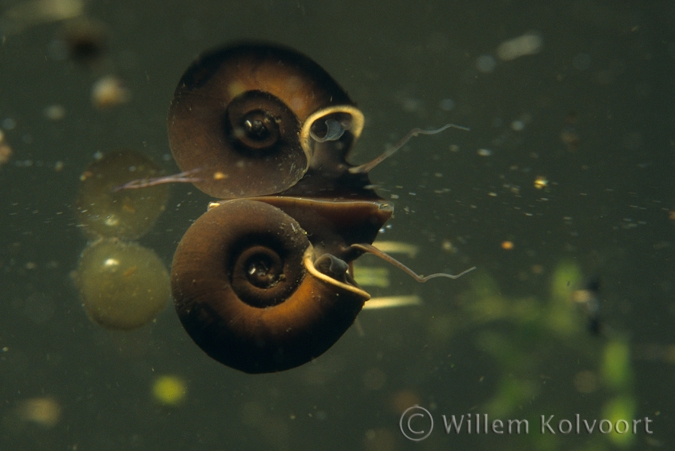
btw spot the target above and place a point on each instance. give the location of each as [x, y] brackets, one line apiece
[527, 44]
[507, 245]
[540, 182]
[44, 411]
[109, 92]
[169, 390]
[5, 149]
[449, 247]
[484, 152]
[54, 112]
[517, 126]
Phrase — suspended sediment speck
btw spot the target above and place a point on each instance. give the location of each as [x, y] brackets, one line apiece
[5, 150]
[54, 112]
[527, 44]
[109, 92]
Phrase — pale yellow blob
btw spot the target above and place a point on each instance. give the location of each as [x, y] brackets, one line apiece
[109, 91]
[169, 390]
[123, 285]
[507, 245]
[43, 411]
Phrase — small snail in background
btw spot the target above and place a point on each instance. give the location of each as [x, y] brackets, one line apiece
[263, 281]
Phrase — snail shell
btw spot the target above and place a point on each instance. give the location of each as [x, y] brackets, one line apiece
[248, 291]
[240, 116]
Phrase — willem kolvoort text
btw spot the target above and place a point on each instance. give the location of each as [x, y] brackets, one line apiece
[478, 423]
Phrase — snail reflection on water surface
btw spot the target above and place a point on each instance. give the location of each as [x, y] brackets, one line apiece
[263, 281]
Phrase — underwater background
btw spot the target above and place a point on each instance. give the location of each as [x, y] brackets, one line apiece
[561, 194]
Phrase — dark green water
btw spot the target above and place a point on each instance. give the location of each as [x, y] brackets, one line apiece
[591, 112]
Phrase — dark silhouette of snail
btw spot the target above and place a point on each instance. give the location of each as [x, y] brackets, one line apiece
[263, 282]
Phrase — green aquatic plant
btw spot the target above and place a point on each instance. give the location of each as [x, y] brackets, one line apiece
[542, 349]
